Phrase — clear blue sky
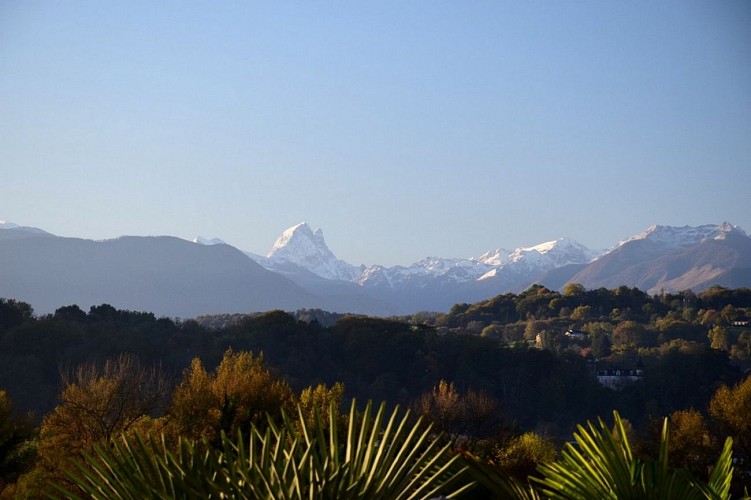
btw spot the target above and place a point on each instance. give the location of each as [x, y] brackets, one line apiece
[403, 129]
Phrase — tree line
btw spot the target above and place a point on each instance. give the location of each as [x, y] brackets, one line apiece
[499, 378]
[120, 402]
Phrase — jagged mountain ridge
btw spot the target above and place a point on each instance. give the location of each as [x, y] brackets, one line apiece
[659, 257]
[434, 283]
[302, 247]
[161, 273]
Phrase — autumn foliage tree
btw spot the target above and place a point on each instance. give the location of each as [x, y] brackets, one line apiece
[319, 399]
[97, 403]
[629, 333]
[521, 455]
[464, 418]
[731, 409]
[240, 392]
[691, 446]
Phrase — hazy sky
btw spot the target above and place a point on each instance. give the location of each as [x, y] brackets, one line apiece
[403, 129]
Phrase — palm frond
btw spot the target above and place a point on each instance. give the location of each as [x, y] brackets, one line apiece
[601, 465]
[385, 456]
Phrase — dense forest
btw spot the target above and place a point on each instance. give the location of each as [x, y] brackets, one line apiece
[507, 379]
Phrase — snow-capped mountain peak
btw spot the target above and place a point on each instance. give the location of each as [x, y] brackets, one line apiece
[302, 246]
[529, 262]
[677, 237]
[205, 241]
[725, 229]
[555, 253]
[300, 241]
[8, 225]
[497, 257]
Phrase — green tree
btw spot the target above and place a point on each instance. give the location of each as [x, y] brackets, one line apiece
[708, 317]
[550, 340]
[741, 350]
[729, 314]
[14, 313]
[600, 345]
[475, 326]
[573, 290]
[493, 331]
[581, 313]
[16, 453]
[533, 328]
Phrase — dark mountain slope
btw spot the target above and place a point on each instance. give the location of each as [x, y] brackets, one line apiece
[166, 275]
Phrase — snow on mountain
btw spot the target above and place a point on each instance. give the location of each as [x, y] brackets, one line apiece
[556, 253]
[528, 261]
[678, 237]
[447, 269]
[674, 258]
[661, 256]
[498, 257]
[26, 229]
[301, 246]
[205, 241]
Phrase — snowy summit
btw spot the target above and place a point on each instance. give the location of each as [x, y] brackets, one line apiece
[301, 246]
[677, 237]
[205, 241]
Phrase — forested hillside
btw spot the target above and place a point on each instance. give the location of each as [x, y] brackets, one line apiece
[515, 364]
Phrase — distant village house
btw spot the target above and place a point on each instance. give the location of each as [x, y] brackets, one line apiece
[577, 335]
[618, 378]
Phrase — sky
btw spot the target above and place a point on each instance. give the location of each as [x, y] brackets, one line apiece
[402, 129]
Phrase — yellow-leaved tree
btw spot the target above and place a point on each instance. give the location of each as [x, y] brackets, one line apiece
[731, 408]
[240, 392]
[97, 403]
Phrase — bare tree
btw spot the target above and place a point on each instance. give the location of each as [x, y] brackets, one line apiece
[464, 418]
[103, 401]
[97, 403]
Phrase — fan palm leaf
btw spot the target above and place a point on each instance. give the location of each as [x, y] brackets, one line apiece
[602, 466]
[385, 456]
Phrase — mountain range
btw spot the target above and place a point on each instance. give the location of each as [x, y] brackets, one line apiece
[178, 278]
